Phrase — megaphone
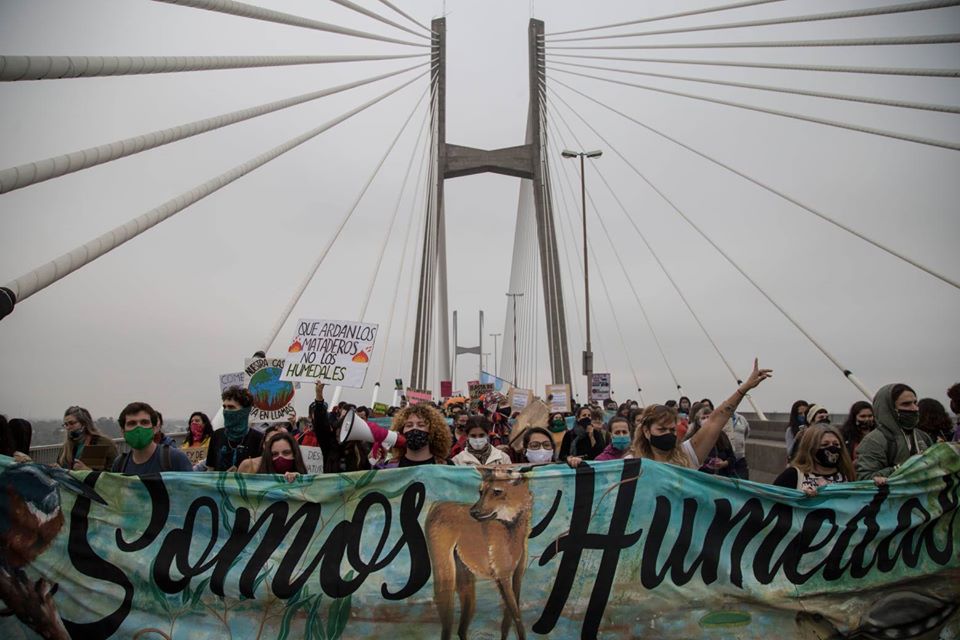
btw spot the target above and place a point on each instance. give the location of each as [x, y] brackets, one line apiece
[356, 429]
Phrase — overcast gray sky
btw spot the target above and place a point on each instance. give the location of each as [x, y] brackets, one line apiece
[159, 318]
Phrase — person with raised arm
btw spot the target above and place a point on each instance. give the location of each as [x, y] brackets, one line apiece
[656, 436]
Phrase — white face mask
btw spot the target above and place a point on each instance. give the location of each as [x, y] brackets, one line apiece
[478, 443]
[539, 455]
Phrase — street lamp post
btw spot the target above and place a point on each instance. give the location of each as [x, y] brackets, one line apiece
[588, 353]
[514, 296]
[496, 369]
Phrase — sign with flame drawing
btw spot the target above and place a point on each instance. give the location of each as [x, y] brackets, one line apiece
[330, 351]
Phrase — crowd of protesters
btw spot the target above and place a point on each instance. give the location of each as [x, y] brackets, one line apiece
[874, 440]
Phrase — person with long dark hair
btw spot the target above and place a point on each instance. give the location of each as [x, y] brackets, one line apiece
[796, 422]
[933, 420]
[859, 423]
[282, 455]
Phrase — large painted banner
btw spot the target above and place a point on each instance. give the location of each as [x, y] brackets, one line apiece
[621, 549]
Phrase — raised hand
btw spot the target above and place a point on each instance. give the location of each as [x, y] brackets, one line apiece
[757, 376]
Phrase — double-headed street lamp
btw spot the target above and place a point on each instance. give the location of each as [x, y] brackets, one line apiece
[588, 353]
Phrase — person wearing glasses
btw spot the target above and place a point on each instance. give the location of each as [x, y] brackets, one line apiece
[538, 447]
[656, 435]
[82, 433]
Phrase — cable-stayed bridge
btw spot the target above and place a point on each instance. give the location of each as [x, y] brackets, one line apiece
[878, 84]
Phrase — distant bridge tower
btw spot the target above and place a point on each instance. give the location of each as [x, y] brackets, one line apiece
[527, 161]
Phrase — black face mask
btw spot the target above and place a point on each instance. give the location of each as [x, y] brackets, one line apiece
[584, 422]
[416, 439]
[664, 442]
[828, 456]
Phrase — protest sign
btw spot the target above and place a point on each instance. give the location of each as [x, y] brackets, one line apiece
[196, 455]
[330, 351]
[417, 397]
[446, 388]
[228, 380]
[535, 414]
[478, 390]
[600, 387]
[381, 408]
[558, 397]
[312, 459]
[672, 554]
[519, 398]
[398, 384]
[272, 397]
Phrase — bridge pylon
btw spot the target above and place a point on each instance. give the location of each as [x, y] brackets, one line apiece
[528, 162]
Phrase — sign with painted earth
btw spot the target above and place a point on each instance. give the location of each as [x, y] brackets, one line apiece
[272, 397]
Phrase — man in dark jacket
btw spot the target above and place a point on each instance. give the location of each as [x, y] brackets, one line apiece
[896, 437]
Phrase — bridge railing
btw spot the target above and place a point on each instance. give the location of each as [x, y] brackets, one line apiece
[48, 454]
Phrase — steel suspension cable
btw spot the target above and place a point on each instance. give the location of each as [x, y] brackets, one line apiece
[285, 314]
[848, 374]
[244, 10]
[405, 15]
[417, 248]
[953, 146]
[770, 189]
[950, 38]
[376, 16]
[636, 295]
[393, 218]
[903, 104]
[681, 14]
[38, 171]
[17, 68]
[414, 222]
[888, 71]
[924, 5]
[45, 275]
[662, 266]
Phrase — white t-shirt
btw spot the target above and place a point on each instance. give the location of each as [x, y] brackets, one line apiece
[687, 449]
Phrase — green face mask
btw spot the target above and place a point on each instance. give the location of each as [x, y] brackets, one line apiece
[138, 437]
[557, 426]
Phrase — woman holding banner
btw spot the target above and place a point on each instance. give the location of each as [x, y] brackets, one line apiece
[656, 436]
[282, 455]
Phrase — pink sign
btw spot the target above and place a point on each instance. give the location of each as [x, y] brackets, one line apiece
[416, 397]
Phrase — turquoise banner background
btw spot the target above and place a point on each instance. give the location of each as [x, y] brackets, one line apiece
[622, 549]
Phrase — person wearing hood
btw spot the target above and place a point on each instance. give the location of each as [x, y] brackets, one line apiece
[896, 436]
[236, 441]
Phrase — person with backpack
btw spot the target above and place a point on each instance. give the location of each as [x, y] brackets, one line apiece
[140, 423]
[896, 436]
